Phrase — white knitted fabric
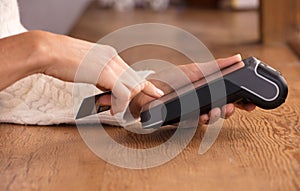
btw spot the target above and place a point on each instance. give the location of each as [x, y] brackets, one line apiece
[41, 99]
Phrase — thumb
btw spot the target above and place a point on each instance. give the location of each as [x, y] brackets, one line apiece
[225, 62]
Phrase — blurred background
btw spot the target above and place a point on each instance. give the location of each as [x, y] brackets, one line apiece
[217, 23]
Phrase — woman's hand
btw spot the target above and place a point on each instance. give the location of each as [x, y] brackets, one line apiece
[82, 61]
[193, 72]
[72, 60]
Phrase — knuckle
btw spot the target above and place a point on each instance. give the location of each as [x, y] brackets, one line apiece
[109, 50]
[135, 91]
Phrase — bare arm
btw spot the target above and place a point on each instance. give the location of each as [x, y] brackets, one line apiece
[61, 57]
[18, 58]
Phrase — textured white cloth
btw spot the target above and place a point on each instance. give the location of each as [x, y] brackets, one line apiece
[41, 99]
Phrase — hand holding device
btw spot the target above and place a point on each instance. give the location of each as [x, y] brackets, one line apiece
[250, 81]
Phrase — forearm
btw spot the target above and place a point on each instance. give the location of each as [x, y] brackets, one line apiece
[40, 52]
[71, 60]
[18, 58]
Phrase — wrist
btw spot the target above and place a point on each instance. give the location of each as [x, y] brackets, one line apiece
[40, 54]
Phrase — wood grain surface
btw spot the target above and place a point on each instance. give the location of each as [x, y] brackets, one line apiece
[254, 151]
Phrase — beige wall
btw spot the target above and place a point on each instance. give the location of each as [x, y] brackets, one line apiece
[52, 15]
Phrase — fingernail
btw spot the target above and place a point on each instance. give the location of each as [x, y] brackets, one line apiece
[229, 112]
[159, 92]
[229, 109]
[239, 55]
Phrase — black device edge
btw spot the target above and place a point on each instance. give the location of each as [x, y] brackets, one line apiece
[171, 111]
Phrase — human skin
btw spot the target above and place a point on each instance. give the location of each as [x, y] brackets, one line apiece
[60, 56]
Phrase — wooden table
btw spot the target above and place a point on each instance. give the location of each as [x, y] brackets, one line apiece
[254, 151]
